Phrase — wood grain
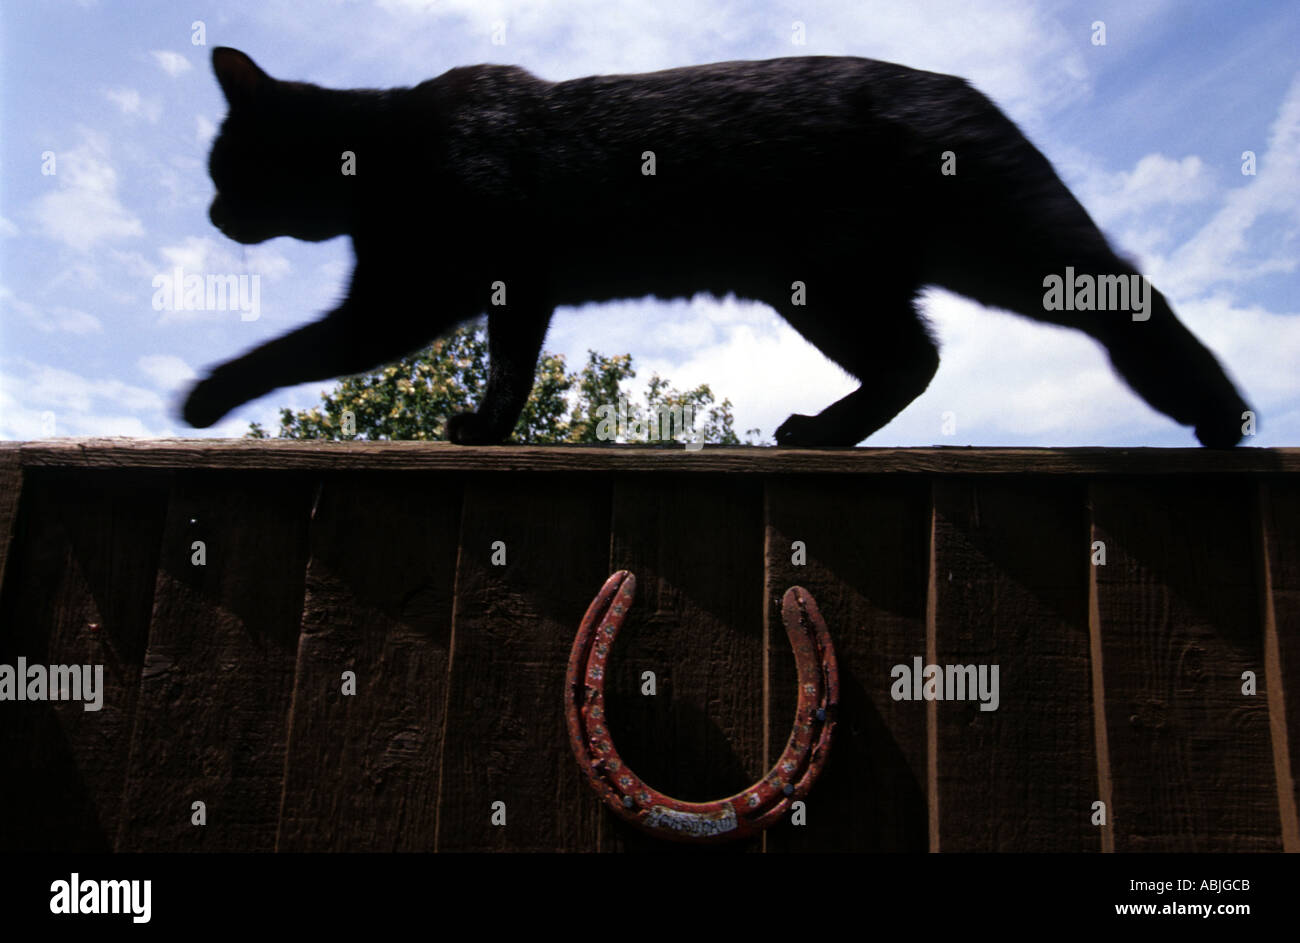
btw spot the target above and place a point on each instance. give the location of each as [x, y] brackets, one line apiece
[695, 547]
[1191, 758]
[1279, 515]
[223, 682]
[362, 769]
[1011, 590]
[218, 675]
[514, 625]
[79, 591]
[306, 454]
[867, 546]
[11, 488]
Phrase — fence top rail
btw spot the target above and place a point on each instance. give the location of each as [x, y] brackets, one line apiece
[319, 455]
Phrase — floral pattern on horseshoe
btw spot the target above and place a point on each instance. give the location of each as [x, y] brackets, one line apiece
[748, 811]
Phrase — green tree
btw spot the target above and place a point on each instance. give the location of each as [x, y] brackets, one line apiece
[411, 399]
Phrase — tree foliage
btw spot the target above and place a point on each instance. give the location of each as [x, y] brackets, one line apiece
[413, 398]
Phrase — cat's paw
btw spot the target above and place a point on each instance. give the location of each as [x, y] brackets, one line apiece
[798, 430]
[1222, 432]
[206, 404]
[471, 429]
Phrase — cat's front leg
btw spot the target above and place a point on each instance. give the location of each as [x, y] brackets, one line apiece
[350, 339]
[315, 351]
[515, 336]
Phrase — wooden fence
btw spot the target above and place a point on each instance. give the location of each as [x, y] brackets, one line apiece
[1126, 683]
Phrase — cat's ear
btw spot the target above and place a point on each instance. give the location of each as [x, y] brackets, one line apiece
[241, 80]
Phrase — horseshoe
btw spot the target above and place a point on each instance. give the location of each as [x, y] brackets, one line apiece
[748, 811]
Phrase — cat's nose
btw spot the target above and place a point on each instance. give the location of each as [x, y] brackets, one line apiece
[216, 213]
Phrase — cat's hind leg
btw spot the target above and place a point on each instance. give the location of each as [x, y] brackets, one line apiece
[888, 350]
[1168, 367]
[1154, 353]
[515, 337]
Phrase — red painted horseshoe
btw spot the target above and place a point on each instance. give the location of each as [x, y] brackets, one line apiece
[749, 810]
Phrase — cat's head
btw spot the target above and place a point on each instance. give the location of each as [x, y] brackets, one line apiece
[276, 162]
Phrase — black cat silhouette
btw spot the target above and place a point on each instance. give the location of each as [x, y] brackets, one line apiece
[831, 188]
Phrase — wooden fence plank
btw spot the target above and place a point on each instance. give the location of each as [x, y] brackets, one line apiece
[695, 546]
[218, 675]
[378, 604]
[867, 557]
[1191, 758]
[79, 592]
[320, 455]
[1011, 591]
[11, 488]
[514, 624]
[1280, 512]
[460, 684]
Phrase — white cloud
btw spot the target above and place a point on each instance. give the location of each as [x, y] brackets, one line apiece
[80, 406]
[83, 275]
[73, 321]
[1258, 347]
[84, 209]
[204, 129]
[52, 319]
[1007, 379]
[200, 255]
[55, 387]
[167, 371]
[134, 263]
[130, 102]
[1014, 50]
[742, 349]
[1156, 180]
[203, 254]
[1223, 250]
[25, 308]
[173, 63]
[7, 228]
[180, 179]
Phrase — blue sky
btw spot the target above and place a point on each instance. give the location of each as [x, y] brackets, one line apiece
[1147, 130]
